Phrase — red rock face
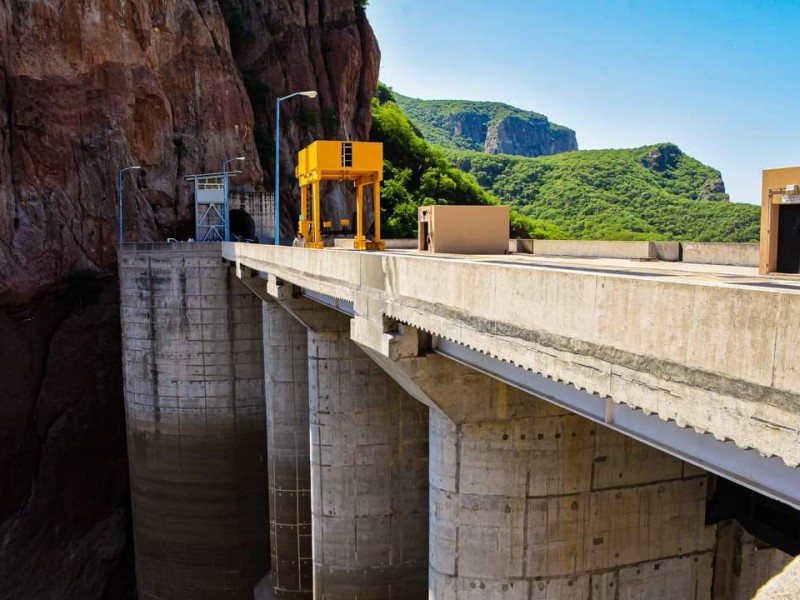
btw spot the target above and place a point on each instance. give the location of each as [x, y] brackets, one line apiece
[88, 87]
[284, 46]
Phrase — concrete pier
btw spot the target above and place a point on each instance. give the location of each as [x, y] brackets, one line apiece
[369, 477]
[554, 506]
[193, 378]
[528, 500]
[286, 378]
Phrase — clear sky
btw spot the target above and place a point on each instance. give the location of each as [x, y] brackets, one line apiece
[721, 79]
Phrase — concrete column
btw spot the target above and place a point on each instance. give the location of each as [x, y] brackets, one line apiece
[286, 378]
[742, 564]
[531, 502]
[193, 381]
[549, 505]
[368, 474]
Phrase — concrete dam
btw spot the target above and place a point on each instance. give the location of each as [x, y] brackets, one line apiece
[388, 425]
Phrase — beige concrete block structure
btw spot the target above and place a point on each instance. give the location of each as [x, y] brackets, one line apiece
[464, 229]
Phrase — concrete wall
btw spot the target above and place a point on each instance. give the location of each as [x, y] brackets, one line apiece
[595, 248]
[667, 251]
[783, 586]
[554, 506]
[528, 500]
[193, 379]
[401, 244]
[741, 255]
[742, 564]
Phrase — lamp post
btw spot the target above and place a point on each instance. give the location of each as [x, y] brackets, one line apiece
[119, 195]
[226, 233]
[307, 94]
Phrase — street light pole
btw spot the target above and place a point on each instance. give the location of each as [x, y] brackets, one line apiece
[226, 229]
[119, 195]
[307, 94]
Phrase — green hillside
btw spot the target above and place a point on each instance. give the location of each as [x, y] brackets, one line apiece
[417, 173]
[650, 193]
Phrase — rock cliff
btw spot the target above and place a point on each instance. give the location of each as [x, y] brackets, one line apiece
[88, 87]
[490, 127]
[513, 135]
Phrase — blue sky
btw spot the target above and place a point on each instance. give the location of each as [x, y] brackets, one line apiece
[719, 79]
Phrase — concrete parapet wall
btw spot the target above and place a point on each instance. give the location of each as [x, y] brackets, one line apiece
[742, 255]
[193, 382]
[667, 251]
[401, 244]
[595, 248]
[520, 246]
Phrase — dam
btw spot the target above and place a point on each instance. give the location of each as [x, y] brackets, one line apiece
[338, 424]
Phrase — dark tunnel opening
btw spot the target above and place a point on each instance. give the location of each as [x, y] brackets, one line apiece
[242, 227]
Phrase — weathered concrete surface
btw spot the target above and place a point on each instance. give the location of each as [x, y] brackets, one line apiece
[528, 500]
[667, 251]
[742, 564]
[369, 477]
[715, 356]
[289, 466]
[555, 502]
[743, 255]
[784, 586]
[193, 380]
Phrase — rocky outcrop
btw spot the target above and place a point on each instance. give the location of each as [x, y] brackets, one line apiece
[666, 157]
[472, 126]
[88, 87]
[490, 127]
[528, 137]
[713, 188]
[662, 157]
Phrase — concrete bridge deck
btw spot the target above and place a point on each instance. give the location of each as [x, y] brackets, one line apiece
[700, 361]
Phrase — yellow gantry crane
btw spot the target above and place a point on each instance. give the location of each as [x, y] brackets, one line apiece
[359, 162]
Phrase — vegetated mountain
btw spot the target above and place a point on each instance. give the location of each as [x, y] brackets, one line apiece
[417, 173]
[650, 193]
[489, 127]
